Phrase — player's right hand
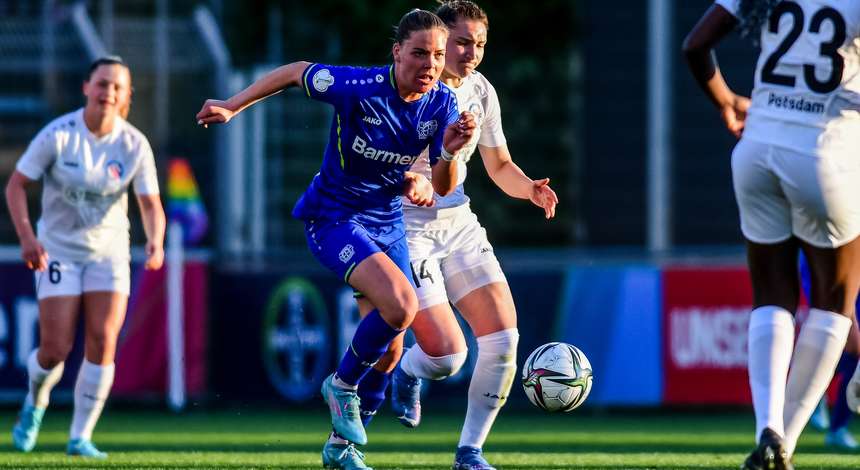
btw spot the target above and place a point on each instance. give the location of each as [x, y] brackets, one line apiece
[34, 255]
[418, 189]
[214, 112]
[734, 114]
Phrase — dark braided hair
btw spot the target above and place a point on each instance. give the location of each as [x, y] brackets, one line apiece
[752, 14]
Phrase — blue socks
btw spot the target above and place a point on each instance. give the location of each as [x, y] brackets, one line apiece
[371, 390]
[369, 343]
[840, 413]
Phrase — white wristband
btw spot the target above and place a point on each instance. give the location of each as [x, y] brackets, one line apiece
[448, 157]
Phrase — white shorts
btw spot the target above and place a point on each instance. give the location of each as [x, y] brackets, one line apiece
[449, 253]
[73, 279]
[781, 193]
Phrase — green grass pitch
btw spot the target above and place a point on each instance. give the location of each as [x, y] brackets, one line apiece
[276, 438]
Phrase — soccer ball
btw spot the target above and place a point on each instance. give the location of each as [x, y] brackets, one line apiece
[557, 377]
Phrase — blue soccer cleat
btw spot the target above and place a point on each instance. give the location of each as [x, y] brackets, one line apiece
[820, 418]
[470, 458]
[343, 405]
[406, 398]
[26, 430]
[84, 448]
[841, 439]
[343, 457]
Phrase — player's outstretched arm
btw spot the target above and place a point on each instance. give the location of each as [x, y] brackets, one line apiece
[456, 137]
[32, 251]
[152, 216]
[220, 112]
[511, 179]
[698, 50]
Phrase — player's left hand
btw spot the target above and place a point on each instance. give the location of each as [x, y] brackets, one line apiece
[154, 256]
[544, 197]
[459, 133]
[418, 189]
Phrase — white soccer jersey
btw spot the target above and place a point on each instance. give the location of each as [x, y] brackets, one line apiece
[808, 74]
[476, 95]
[85, 186]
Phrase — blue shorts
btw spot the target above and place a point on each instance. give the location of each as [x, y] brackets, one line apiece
[342, 245]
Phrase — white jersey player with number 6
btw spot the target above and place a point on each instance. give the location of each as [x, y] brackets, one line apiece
[796, 175]
[453, 261]
[87, 161]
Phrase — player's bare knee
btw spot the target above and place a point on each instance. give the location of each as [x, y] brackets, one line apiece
[52, 353]
[401, 312]
[101, 343]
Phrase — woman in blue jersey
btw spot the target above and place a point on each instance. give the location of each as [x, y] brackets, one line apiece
[453, 262]
[384, 118]
[797, 183]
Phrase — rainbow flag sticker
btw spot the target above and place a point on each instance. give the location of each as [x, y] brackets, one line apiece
[183, 201]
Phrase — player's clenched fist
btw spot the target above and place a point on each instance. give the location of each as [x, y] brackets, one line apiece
[418, 189]
[459, 133]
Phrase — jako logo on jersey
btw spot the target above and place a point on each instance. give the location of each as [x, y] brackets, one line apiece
[360, 146]
[346, 253]
[114, 169]
[322, 80]
[372, 120]
[427, 129]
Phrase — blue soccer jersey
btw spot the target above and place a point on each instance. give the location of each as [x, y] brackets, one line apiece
[375, 137]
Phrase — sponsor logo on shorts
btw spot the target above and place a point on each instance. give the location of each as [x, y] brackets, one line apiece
[379, 78]
[486, 249]
[427, 129]
[323, 80]
[346, 253]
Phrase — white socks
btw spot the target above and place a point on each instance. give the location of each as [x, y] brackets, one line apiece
[41, 381]
[91, 391]
[494, 373]
[819, 346]
[771, 337]
[416, 363]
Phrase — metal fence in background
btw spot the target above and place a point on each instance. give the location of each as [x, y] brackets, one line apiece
[170, 51]
[575, 96]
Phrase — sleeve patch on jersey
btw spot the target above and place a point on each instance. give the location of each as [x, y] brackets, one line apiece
[322, 80]
[305, 75]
